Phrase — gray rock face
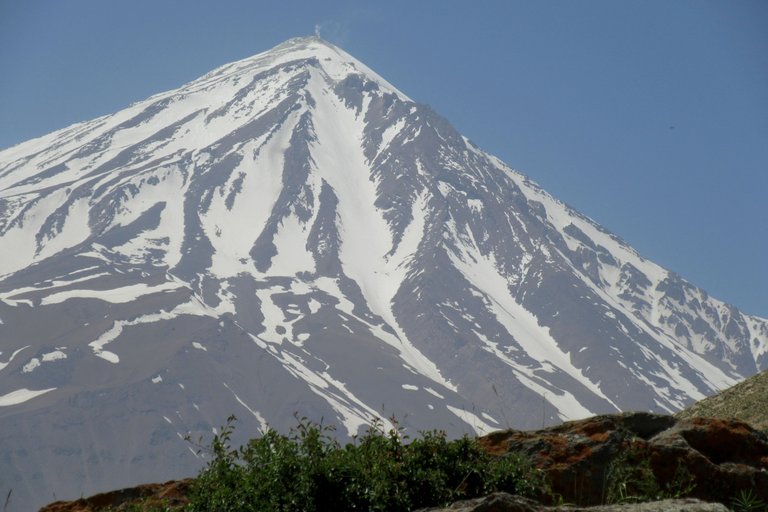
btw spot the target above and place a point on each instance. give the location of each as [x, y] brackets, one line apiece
[290, 233]
[502, 502]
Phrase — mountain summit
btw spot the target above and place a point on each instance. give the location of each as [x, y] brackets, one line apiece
[290, 233]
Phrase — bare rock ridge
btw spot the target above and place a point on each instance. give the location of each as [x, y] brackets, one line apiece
[290, 233]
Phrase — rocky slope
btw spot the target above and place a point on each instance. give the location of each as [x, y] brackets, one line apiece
[746, 401]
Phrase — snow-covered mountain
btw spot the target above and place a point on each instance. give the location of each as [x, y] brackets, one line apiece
[291, 233]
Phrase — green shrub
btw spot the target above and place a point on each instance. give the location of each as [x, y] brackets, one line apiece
[748, 501]
[309, 470]
[631, 479]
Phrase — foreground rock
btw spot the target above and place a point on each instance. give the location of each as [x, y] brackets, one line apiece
[708, 458]
[171, 494]
[711, 459]
[503, 502]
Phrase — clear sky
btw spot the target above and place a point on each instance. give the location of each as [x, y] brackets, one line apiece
[649, 116]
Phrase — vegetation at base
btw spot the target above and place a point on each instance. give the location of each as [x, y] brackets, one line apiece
[309, 470]
[630, 479]
[748, 501]
[746, 401]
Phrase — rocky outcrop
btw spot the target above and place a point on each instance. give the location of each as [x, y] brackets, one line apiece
[588, 463]
[746, 401]
[707, 458]
[502, 502]
[171, 494]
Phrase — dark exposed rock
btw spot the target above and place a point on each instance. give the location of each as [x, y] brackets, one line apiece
[723, 457]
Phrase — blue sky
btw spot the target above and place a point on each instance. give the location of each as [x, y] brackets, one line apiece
[649, 116]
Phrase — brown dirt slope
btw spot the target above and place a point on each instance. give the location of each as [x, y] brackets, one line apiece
[746, 401]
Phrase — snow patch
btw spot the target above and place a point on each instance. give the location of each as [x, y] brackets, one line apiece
[54, 356]
[233, 228]
[354, 412]
[115, 295]
[521, 324]
[478, 424]
[433, 392]
[263, 425]
[15, 353]
[291, 244]
[194, 307]
[390, 132]
[31, 365]
[21, 395]
[367, 251]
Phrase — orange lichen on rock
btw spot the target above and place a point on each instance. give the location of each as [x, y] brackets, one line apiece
[725, 456]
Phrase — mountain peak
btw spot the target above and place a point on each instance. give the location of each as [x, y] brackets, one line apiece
[336, 62]
[308, 45]
[303, 41]
[290, 233]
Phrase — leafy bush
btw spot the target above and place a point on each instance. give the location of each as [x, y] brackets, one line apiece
[309, 470]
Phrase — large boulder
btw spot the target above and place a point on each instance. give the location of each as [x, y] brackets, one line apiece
[502, 502]
[590, 461]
